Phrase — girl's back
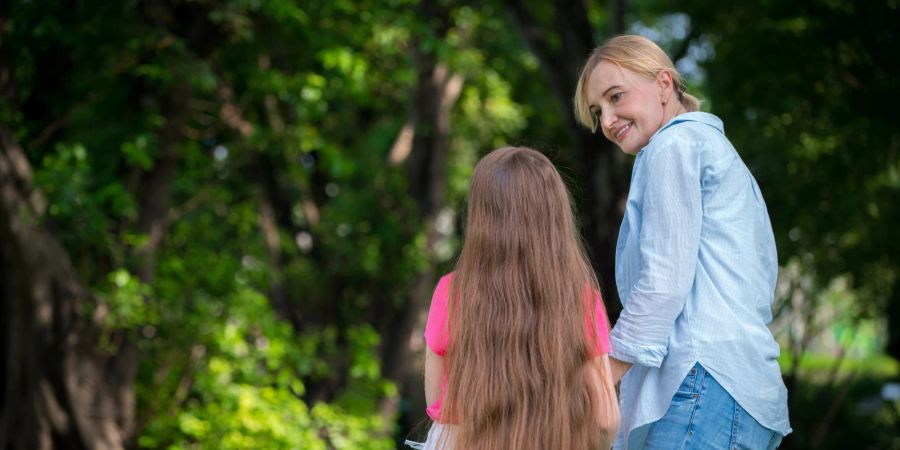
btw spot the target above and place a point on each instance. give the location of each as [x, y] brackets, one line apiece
[523, 341]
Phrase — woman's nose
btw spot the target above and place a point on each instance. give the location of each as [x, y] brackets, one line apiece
[606, 121]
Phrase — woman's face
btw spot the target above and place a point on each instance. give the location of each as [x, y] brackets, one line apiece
[629, 106]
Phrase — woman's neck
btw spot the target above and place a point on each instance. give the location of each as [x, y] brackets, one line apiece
[671, 110]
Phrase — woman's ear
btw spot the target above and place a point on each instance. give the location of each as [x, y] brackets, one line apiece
[665, 85]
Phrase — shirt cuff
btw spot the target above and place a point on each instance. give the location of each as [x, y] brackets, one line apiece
[642, 355]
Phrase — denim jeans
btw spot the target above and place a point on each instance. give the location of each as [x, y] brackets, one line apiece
[703, 415]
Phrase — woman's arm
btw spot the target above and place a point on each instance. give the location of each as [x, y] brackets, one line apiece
[668, 246]
[434, 370]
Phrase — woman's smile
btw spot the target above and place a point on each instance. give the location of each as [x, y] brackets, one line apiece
[623, 130]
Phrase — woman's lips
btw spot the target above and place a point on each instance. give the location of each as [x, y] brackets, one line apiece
[623, 131]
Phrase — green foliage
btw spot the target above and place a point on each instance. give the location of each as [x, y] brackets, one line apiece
[247, 388]
[250, 337]
[851, 414]
[803, 88]
[244, 101]
[127, 302]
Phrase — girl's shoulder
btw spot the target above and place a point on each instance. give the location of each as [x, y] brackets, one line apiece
[444, 283]
[436, 332]
[442, 291]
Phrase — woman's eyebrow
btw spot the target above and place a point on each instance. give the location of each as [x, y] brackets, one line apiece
[615, 86]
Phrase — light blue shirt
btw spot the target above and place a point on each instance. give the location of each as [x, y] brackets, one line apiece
[696, 269]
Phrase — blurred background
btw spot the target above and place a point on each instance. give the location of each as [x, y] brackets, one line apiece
[221, 221]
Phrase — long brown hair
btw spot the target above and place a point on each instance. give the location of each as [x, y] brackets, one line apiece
[520, 370]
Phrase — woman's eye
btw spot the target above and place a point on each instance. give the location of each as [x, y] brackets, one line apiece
[615, 97]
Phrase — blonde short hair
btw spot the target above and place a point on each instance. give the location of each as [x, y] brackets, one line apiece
[637, 54]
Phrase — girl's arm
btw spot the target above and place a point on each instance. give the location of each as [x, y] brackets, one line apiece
[618, 369]
[434, 370]
[605, 403]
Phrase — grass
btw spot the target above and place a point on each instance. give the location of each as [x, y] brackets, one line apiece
[810, 365]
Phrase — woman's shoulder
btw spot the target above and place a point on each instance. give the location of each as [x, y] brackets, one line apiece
[694, 132]
[689, 128]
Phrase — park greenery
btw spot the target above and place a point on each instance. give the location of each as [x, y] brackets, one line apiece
[221, 221]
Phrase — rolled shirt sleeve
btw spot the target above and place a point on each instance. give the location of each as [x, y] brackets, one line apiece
[668, 246]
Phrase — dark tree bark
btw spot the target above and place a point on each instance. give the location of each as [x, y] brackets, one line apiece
[617, 16]
[155, 196]
[61, 387]
[892, 347]
[426, 166]
[60, 390]
[604, 169]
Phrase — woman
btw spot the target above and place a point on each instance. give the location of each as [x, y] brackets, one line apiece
[695, 264]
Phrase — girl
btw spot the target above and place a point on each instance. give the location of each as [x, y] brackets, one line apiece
[695, 264]
[517, 334]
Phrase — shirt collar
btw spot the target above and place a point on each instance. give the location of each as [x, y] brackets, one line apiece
[696, 116]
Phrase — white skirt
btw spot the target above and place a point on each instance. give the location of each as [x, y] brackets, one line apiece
[434, 438]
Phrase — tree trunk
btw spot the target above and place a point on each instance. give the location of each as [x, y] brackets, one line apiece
[68, 381]
[605, 170]
[59, 389]
[436, 93]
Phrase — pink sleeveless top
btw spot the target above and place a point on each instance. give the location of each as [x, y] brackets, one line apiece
[437, 335]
